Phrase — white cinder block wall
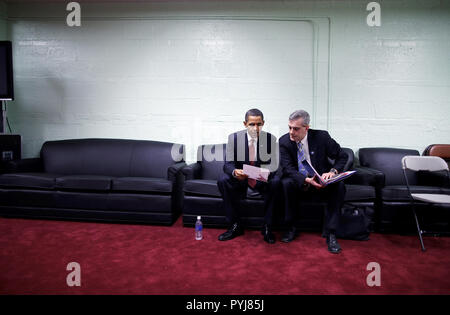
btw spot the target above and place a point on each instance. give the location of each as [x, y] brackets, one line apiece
[186, 72]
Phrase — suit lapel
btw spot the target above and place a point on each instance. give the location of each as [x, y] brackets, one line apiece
[259, 147]
[247, 153]
[294, 151]
[241, 155]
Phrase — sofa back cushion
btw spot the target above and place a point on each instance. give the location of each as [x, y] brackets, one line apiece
[109, 157]
[351, 157]
[388, 161]
[212, 159]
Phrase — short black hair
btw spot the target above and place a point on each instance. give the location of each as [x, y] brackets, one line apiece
[254, 112]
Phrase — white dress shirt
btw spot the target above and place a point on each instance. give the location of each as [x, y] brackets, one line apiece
[255, 145]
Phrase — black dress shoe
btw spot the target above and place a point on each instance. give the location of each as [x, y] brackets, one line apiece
[268, 235]
[333, 245]
[290, 235]
[233, 231]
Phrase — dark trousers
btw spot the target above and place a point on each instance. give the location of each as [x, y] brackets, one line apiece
[233, 191]
[333, 194]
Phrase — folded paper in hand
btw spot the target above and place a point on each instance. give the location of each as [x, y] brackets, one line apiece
[313, 173]
[257, 173]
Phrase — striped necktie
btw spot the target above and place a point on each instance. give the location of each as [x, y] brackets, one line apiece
[251, 152]
[300, 158]
[252, 158]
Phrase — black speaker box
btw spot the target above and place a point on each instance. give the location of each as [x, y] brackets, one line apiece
[6, 71]
[10, 147]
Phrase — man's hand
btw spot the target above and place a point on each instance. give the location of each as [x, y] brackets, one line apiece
[311, 181]
[239, 174]
[328, 175]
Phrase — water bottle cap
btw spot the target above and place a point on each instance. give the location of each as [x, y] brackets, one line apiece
[199, 217]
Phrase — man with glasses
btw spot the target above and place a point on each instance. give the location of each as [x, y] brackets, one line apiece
[254, 147]
[318, 148]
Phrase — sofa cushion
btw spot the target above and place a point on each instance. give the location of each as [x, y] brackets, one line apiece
[205, 187]
[359, 192]
[84, 182]
[110, 157]
[401, 192]
[96, 200]
[138, 202]
[106, 157]
[29, 180]
[350, 160]
[212, 159]
[388, 161]
[153, 158]
[27, 197]
[142, 184]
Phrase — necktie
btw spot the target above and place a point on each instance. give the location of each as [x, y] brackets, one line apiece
[300, 158]
[252, 158]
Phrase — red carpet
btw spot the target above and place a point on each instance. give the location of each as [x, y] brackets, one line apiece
[140, 259]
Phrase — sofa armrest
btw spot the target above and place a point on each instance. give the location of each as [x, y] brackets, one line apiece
[23, 165]
[175, 175]
[192, 171]
[367, 176]
[174, 170]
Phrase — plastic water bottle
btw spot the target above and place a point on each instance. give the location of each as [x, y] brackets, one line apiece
[199, 229]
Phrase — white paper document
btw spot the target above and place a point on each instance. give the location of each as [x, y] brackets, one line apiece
[258, 173]
[312, 172]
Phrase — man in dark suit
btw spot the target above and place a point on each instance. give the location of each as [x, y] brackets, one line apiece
[253, 147]
[318, 148]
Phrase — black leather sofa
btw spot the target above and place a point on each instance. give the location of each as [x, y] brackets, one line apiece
[393, 202]
[202, 197]
[113, 180]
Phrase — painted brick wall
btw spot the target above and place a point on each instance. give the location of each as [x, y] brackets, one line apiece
[187, 72]
[392, 82]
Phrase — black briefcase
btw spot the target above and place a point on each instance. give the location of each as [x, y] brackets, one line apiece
[353, 223]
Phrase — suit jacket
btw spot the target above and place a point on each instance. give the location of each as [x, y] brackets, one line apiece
[322, 148]
[238, 153]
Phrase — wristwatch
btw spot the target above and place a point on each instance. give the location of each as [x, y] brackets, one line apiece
[335, 171]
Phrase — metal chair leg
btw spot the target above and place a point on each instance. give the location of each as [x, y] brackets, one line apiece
[419, 230]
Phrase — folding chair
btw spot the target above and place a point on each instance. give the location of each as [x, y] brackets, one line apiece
[424, 163]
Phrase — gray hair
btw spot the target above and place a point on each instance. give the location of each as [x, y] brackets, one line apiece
[300, 114]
